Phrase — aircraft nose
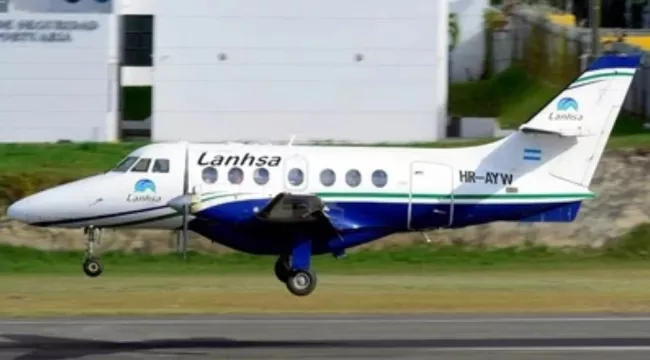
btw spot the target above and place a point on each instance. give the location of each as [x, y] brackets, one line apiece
[19, 211]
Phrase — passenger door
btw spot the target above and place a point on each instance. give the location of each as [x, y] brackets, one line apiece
[431, 201]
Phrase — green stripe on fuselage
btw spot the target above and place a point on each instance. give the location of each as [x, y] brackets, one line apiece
[391, 195]
[601, 76]
[378, 195]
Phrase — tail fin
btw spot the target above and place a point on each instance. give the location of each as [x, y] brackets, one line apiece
[577, 123]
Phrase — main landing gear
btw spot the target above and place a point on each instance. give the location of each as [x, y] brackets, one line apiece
[294, 270]
[91, 265]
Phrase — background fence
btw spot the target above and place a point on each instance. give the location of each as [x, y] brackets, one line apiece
[558, 53]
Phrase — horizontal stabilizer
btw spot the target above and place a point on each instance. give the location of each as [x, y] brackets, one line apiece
[557, 131]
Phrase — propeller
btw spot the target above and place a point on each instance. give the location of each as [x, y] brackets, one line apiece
[182, 204]
[186, 205]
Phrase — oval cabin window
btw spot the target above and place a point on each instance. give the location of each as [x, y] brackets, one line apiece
[296, 177]
[235, 176]
[327, 177]
[353, 178]
[379, 178]
[261, 176]
[209, 175]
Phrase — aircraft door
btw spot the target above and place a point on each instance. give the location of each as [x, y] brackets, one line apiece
[295, 173]
[430, 195]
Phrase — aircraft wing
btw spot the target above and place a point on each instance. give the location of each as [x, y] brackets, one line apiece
[306, 211]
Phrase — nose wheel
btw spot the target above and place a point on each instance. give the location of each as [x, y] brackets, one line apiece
[92, 267]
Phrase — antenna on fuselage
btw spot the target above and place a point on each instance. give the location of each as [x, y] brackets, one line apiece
[293, 137]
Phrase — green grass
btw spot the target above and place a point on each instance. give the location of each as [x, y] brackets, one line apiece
[64, 158]
[633, 249]
[555, 290]
[400, 280]
[511, 96]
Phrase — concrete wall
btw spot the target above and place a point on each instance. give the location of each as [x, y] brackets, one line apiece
[467, 54]
[362, 70]
[58, 71]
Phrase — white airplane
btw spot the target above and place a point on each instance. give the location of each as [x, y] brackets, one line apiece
[297, 201]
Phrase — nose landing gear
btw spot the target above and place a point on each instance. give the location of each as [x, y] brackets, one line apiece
[91, 264]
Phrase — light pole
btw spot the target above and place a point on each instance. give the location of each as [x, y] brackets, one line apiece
[595, 26]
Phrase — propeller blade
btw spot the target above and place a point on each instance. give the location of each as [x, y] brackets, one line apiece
[187, 200]
[185, 233]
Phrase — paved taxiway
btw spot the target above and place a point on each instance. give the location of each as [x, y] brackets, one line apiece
[466, 337]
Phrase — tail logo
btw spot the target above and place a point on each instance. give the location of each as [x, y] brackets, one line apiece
[567, 109]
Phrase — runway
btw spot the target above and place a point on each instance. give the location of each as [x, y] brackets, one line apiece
[465, 337]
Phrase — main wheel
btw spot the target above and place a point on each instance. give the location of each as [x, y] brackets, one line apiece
[282, 269]
[301, 282]
[92, 267]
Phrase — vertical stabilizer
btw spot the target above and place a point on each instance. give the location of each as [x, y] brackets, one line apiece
[577, 123]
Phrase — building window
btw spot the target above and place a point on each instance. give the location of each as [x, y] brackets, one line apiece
[353, 178]
[379, 178]
[296, 177]
[327, 177]
[261, 176]
[137, 40]
[209, 175]
[235, 176]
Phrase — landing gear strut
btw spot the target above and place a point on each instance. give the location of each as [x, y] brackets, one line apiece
[91, 265]
[295, 270]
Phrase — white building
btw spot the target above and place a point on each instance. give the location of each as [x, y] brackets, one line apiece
[58, 70]
[342, 70]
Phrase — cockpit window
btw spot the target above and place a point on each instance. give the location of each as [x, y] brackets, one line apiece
[142, 165]
[125, 164]
[161, 166]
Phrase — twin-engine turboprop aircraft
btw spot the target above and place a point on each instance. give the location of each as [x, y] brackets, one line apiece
[297, 201]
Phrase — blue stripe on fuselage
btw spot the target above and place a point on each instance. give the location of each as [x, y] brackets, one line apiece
[234, 224]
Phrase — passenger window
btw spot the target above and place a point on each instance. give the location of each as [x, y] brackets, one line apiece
[261, 176]
[125, 164]
[296, 177]
[209, 175]
[235, 176]
[142, 165]
[161, 166]
[327, 177]
[379, 178]
[353, 178]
